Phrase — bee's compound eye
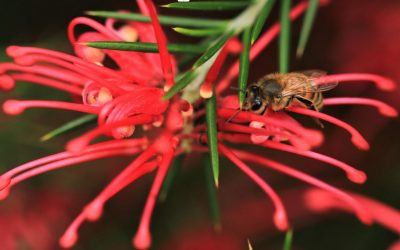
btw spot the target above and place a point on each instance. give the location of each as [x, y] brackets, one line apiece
[256, 106]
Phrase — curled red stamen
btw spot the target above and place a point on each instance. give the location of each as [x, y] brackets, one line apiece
[70, 237]
[280, 217]
[7, 83]
[360, 211]
[321, 200]
[47, 82]
[383, 108]
[28, 60]
[353, 174]
[16, 107]
[91, 23]
[6, 178]
[107, 193]
[296, 141]
[313, 137]
[70, 161]
[381, 82]
[162, 46]
[356, 138]
[142, 239]
[82, 141]
[53, 72]
[17, 51]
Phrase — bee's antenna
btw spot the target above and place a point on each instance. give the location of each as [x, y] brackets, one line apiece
[233, 116]
[235, 88]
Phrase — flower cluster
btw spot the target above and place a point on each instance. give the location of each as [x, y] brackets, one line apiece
[132, 95]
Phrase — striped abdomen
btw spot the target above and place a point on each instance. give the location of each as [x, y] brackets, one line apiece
[314, 97]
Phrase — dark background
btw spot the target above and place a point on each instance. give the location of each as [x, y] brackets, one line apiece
[349, 36]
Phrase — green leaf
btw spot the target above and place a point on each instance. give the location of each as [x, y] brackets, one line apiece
[173, 170]
[307, 25]
[244, 65]
[284, 37]
[214, 48]
[183, 81]
[212, 134]
[198, 32]
[164, 20]
[208, 5]
[186, 58]
[212, 194]
[287, 245]
[146, 47]
[67, 127]
[260, 21]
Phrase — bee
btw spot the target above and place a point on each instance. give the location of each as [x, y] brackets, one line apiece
[280, 91]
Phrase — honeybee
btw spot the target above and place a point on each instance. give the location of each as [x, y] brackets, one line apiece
[279, 91]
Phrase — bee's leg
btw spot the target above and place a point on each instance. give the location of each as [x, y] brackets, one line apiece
[306, 103]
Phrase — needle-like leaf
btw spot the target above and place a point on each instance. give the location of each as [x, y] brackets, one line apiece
[208, 5]
[287, 245]
[198, 32]
[260, 21]
[146, 47]
[212, 50]
[244, 65]
[212, 194]
[69, 126]
[164, 20]
[212, 134]
[307, 25]
[181, 83]
[284, 37]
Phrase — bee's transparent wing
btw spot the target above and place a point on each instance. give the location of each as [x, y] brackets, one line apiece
[322, 87]
[313, 75]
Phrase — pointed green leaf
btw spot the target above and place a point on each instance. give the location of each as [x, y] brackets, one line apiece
[214, 48]
[212, 194]
[67, 127]
[186, 58]
[181, 83]
[244, 65]
[164, 20]
[198, 32]
[212, 134]
[284, 37]
[208, 5]
[287, 245]
[172, 171]
[307, 25]
[146, 47]
[260, 21]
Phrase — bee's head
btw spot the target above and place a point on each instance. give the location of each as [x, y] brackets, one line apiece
[254, 100]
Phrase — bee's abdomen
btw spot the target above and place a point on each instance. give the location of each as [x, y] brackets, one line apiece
[317, 100]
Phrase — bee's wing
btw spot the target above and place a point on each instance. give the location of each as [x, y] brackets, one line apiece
[313, 75]
[322, 87]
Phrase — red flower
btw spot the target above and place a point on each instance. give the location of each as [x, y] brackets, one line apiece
[132, 95]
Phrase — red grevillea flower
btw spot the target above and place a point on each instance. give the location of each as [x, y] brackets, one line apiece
[131, 95]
